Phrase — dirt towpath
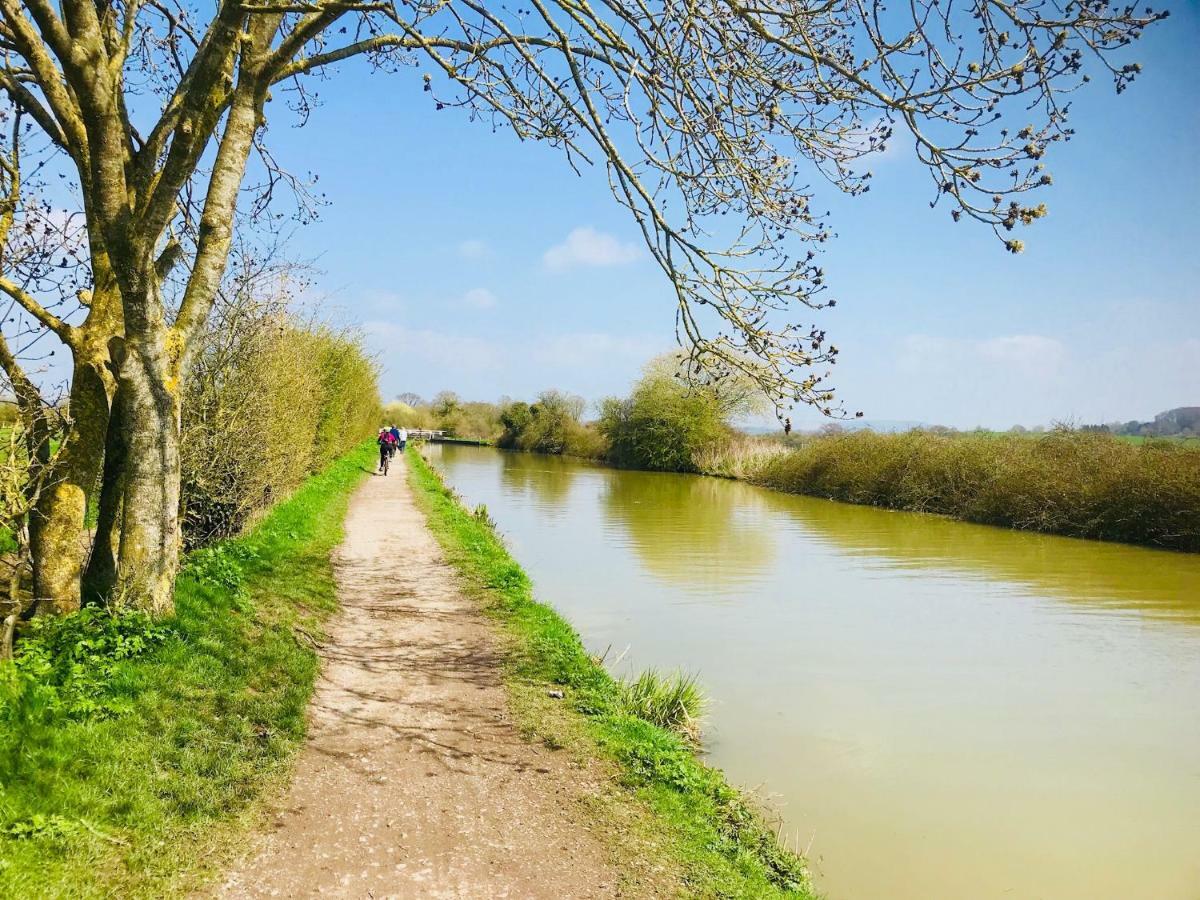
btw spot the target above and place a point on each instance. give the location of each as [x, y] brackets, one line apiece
[414, 781]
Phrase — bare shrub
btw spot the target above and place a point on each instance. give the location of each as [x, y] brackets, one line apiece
[272, 399]
[1085, 484]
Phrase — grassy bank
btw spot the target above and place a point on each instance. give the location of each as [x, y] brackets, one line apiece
[132, 751]
[1070, 482]
[700, 825]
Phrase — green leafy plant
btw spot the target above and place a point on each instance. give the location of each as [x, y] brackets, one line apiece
[42, 827]
[550, 425]
[483, 517]
[663, 424]
[72, 663]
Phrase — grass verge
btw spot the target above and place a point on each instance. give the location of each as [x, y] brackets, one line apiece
[713, 834]
[131, 751]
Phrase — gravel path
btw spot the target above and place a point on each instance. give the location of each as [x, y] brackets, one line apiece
[414, 781]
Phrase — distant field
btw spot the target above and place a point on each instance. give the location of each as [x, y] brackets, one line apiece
[1190, 440]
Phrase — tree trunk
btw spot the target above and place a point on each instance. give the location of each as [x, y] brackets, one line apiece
[150, 537]
[100, 578]
[56, 539]
[57, 523]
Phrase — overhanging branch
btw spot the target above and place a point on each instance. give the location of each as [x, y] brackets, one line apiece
[46, 318]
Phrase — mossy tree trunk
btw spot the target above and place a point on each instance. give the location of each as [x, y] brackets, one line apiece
[57, 521]
[148, 554]
[100, 578]
[154, 364]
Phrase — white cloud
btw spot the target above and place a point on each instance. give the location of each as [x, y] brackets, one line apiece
[587, 349]
[593, 349]
[964, 382]
[586, 246]
[478, 298]
[1018, 354]
[382, 303]
[566, 351]
[592, 364]
[1034, 379]
[1030, 352]
[475, 249]
[406, 348]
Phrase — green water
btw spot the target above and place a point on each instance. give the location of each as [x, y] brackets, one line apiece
[938, 710]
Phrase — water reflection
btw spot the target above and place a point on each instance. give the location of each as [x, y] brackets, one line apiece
[695, 532]
[547, 479]
[1109, 576]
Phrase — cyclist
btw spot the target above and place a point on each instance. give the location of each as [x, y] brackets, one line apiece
[387, 446]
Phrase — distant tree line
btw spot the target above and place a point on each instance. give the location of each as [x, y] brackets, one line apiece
[1183, 421]
[672, 415]
[1083, 481]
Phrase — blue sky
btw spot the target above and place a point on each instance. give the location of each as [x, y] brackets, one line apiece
[485, 266]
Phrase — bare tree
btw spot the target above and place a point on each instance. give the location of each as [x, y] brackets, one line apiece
[712, 119]
[244, 393]
[45, 279]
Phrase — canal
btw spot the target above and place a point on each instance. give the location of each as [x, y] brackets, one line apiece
[936, 709]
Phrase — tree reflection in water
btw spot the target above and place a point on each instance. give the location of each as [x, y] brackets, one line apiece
[692, 531]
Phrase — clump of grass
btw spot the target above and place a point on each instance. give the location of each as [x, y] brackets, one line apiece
[131, 749]
[718, 836]
[674, 702]
[740, 456]
[1082, 484]
[483, 517]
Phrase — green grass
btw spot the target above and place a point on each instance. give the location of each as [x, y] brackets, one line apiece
[674, 702]
[132, 753]
[690, 819]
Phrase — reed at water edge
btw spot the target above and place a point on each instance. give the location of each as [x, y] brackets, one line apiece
[1075, 483]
